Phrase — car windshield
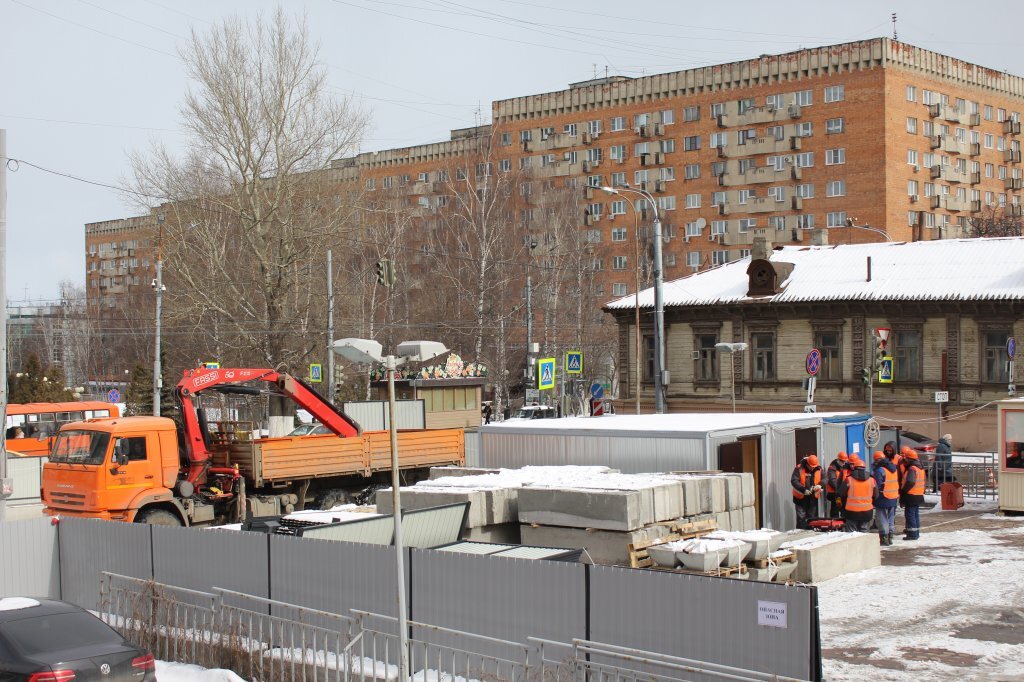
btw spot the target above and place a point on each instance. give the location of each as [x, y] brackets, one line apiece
[80, 447]
[57, 632]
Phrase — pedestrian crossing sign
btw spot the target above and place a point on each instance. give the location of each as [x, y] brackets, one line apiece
[545, 373]
[574, 362]
[316, 373]
[885, 370]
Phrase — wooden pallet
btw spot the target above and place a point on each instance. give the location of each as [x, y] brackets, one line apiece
[638, 556]
[763, 563]
[721, 572]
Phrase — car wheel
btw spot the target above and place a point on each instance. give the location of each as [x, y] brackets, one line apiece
[158, 517]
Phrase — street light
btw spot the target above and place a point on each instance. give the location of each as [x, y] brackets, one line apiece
[659, 310]
[731, 348]
[368, 351]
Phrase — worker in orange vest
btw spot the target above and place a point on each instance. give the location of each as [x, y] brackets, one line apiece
[806, 484]
[888, 484]
[912, 495]
[856, 496]
[838, 470]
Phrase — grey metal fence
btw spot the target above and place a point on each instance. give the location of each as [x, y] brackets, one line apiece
[27, 473]
[29, 559]
[978, 473]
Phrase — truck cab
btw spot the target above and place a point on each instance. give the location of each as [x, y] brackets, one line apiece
[111, 468]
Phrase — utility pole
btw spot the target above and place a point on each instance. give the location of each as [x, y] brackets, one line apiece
[659, 315]
[5, 483]
[529, 326]
[330, 328]
[158, 286]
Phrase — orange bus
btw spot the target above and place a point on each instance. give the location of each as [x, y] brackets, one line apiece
[31, 426]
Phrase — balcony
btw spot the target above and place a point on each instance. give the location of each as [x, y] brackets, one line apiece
[560, 169]
[1013, 183]
[945, 112]
[949, 143]
[756, 176]
[948, 173]
[761, 205]
[1011, 156]
[975, 205]
[974, 120]
[422, 187]
[1011, 127]
[950, 202]
[976, 178]
[758, 115]
[737, 238]
[975, 149]
[761, 145]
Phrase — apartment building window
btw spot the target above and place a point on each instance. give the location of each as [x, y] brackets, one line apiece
[827, 341]
[833, 126]
[595, 155]
[506, 139]
[371, 185]
[505, 165]
[691, 143]
[692, 201]
[620, 262]
[804, 160]
[526, 189]
[1002, 172]
[617, 152]
[545, 160]
[570, 129]
[525, 135]
[388, 182]
[912, 187]
[667, 146]
[804, 129]
[717, 109]
[777, 193]
[592, 181]
[546, 132]
[911, 93]
[693, 229]
[927, 128]
[805, 191]
[913, 218]
[668, 116]
[835, 93]
[705, 367]
[719, 139]
[775, 101]
[777, 221]
[719, 227]
[594, 127]
[595, 210]
[1001, 143]
[618, 123]
[1000, 114]
[906, 354]
[641, 120]
[744, 105]
[994, 366]
[989, 170]
[927, 97]
[593, 236]
[836, 219]
[618, 207]
[912, 157]
[618, 289]
[742, 136]
[618, 234]
[835, 157]
[641, 148]
[691, 114]
[990, 141]
[618, 179]
[717, 169]
[762, 356]
[640, 177]
[719, 198]
[805, 221]
[693, 259]
[691, 171]
[667, 203]
[911, 125]
[835, 188]
[803, 98]
[746, 224]
[719, 258]
[777, 132]
[745, 195]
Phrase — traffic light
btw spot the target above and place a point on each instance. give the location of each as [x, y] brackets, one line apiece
[865, 376]
[879, 352]
[385, 272]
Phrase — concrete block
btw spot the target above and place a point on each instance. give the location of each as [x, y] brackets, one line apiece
[735, 519]
[504, 505]
[764, 575]
[502, 534]
[723, 520]
[668, 501]
[733, 491]
[617, 510]
[603, 547]
[827, 556]
[749, 515]
[691, 496]
[747, 491]
[717, 494]
[480, 502]
[442, 472]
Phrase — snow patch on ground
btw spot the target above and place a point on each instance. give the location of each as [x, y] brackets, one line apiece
[16, 603]
[343, 512]
[183, 672]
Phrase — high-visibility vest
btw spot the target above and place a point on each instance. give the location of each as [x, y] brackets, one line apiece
[891, 489]
[859, 495]
[918, 488]
[842, 472]
[803, 482]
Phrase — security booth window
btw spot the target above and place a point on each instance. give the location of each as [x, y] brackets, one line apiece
[1013, 430]
[994, 360]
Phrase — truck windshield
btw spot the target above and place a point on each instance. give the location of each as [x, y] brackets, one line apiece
[80, 447]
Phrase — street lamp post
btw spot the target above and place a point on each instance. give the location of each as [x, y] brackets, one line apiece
[659, 309]
[731, 348]
[158, 287]
[368, 351]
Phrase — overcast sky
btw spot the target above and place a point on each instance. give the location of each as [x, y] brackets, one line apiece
[83, 82]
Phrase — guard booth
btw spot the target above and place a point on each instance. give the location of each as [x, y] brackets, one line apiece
[1010, 422]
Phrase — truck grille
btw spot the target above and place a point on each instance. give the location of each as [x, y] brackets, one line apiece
[68, 499]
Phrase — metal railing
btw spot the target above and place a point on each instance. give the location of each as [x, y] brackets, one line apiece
[978, 473]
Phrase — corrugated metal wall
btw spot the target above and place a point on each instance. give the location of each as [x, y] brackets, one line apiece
[27, 473]
[833, 440]
[200, 559]
[779, 461]
[509, 599]
[710, 619]
[629, 454]
[372, 415]
[473, 449]
[90, 546]
[29, 559]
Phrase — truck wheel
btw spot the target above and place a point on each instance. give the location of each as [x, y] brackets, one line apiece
[158, 517]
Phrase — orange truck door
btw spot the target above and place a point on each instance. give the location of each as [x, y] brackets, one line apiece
[134, 467]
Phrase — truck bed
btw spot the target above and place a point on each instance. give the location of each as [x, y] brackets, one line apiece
[279, 460]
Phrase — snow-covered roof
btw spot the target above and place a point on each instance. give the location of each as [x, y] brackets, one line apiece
[651, 424]
[940, 270]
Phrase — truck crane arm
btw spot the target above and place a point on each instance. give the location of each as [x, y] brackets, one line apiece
[196, 381]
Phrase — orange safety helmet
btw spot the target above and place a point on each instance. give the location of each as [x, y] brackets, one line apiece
[878, 455]
[812, 460]
[907, 450]
[912, 454]
[856, 461]
[842, 457]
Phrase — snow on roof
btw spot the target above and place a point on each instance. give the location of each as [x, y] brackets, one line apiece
[939, 270]
[694, 422]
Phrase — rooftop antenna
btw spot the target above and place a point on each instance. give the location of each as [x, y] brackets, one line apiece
[894, 36]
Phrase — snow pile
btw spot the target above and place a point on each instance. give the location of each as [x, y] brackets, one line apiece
[550, 476]
[762, 535]
[16, 603]
[819, 540]
[184, 672]
[701, 545]
[343, 512]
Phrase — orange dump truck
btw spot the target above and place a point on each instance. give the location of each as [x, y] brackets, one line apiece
[145, 469]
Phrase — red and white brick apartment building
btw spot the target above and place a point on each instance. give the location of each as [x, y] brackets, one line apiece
[889, 135]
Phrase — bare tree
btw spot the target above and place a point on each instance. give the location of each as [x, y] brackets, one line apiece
[993, 222]
[252, 204]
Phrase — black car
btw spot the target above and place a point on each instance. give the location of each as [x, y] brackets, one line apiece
[45, 640]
